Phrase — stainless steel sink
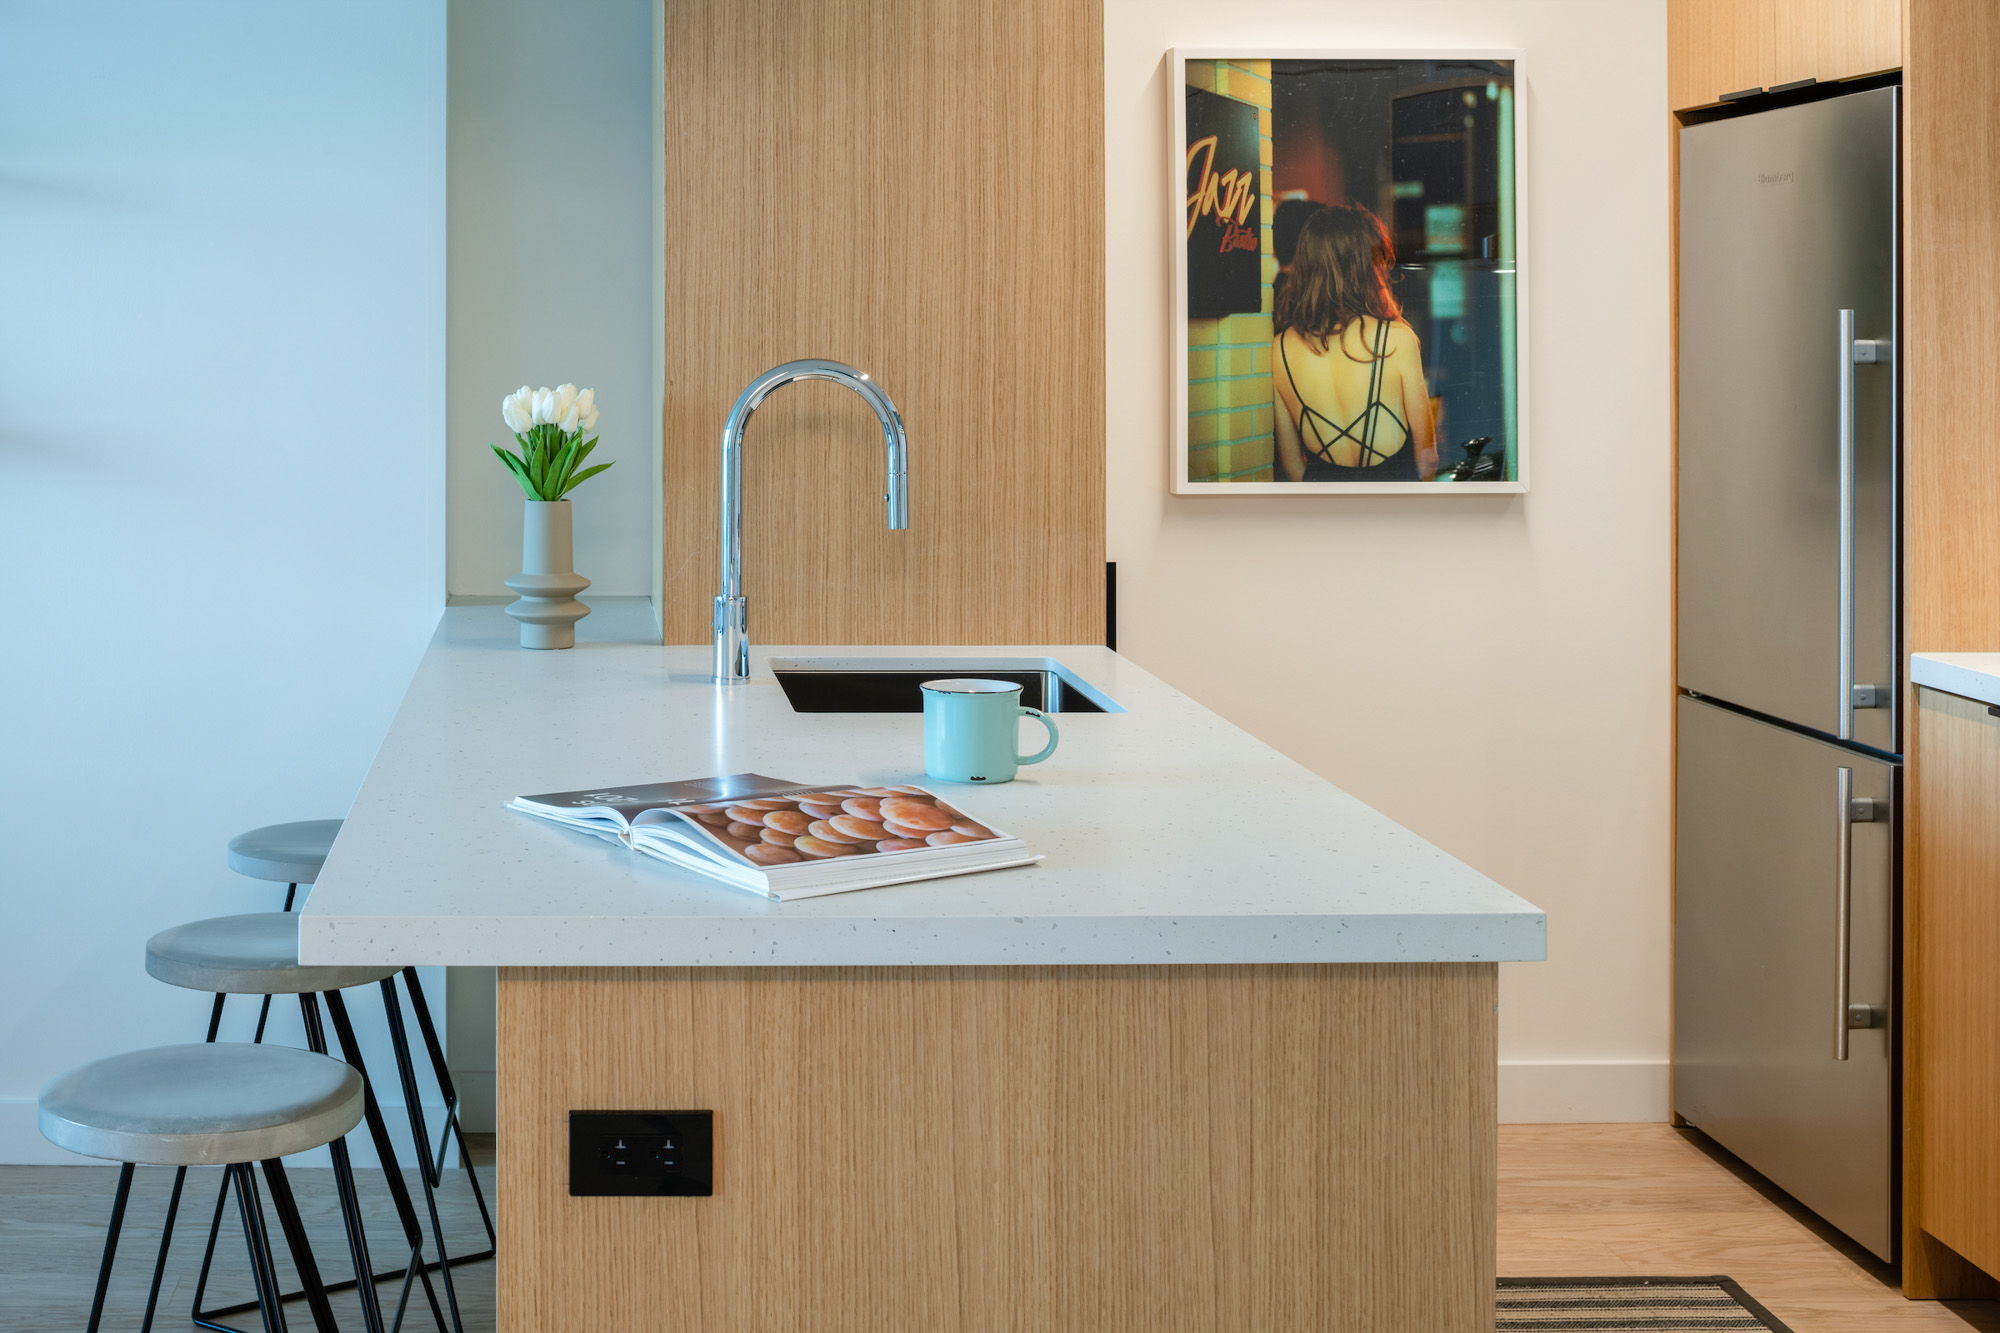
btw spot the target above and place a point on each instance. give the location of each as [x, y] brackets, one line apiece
[892, 684]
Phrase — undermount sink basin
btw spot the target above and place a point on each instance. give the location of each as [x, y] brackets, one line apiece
[893, 684]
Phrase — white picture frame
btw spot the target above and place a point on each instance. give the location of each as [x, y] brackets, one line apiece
[1514, 246]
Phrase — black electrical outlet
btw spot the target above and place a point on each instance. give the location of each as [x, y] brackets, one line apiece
[642, 1152]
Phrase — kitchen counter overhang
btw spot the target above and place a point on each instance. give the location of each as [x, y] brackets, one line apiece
[1170, 835]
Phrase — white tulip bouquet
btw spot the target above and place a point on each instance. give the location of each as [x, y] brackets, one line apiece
[549, 425]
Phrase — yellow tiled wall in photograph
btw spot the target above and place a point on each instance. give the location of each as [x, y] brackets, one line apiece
[1230, 430]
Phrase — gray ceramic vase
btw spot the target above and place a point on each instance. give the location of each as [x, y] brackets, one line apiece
[548, 609]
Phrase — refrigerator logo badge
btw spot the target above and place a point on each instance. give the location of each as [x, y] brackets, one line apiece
[1776, 177]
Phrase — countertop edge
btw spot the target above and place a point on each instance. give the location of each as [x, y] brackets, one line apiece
[1969, 675]
[1472, 937]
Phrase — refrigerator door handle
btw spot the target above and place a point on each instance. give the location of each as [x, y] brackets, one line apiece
[1843, 903]
[1848, 350]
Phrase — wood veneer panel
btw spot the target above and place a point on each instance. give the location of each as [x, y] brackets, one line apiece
[1951, 338]
[958, 1150]
[1951, 544]
[1835, 39]
[916, 189]
[1716, 47]
[1954, 927]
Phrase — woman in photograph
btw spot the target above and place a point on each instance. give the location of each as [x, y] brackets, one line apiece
[1352, 403]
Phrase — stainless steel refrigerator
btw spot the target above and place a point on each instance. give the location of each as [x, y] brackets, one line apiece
[1787, 802]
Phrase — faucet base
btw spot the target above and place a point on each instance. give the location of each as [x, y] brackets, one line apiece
[732, 640]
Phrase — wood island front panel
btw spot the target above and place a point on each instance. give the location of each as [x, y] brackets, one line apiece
[1952, 934]
[956, 1150]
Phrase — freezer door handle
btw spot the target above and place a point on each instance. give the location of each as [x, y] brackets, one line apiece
[1843, 902]
[1846, 714]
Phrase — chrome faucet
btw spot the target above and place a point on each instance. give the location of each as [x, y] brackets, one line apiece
[732, 635]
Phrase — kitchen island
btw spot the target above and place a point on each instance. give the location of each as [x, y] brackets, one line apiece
[1225, 1059]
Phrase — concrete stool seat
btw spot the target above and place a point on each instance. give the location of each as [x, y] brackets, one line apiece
[256, 953]
[202, 1105]
[231, 1105]
[286, 853]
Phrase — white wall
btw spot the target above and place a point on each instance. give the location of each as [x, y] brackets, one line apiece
[221, 427]
[1491, 671]
[551, 227]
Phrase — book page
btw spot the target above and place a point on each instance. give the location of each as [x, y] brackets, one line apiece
[831, 824]
[624, 804]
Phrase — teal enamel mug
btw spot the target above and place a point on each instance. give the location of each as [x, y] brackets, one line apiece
[972, 729]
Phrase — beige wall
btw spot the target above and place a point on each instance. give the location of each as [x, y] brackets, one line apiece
[1491, 671]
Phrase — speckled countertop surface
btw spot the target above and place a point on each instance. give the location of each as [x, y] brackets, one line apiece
[1170, 836]
[1970, 675]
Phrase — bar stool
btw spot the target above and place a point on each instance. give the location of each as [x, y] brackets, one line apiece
[230, 1105]
[257, 954]
[294, 854]
[288, 854]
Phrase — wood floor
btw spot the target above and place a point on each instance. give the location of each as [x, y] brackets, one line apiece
[52, 1221]
[1575, 1201]
[1650, 1200]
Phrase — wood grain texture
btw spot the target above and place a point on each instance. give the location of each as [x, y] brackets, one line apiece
[1634, 1200]
[916, 189]
[1716, 47]
[1951, 228]
[1835, 39]
[963, 1149]
[1955, 925]
[1951, 551]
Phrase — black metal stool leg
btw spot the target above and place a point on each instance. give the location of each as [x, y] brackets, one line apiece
[452, 1128]
[258, 1239]
[385, 1151]
[350, 1202]
[357, 1237]
[118, 1202]
[413, 1101]
[196, 1313]
[166, 1238]
[300, 1245]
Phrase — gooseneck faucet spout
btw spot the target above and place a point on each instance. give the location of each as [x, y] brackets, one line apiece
[732, 635]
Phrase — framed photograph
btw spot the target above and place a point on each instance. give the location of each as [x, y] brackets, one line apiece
[1348, 229]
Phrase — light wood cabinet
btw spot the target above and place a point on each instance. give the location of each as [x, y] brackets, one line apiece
[1951, 555]
[1716, 47]
[1725, 46]
[1209, 1149]
[1834, 39]
[1952, 932]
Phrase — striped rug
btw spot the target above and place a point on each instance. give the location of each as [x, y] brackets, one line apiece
[1630, 1305]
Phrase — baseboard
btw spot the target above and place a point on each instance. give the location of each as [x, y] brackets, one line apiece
[1583, 1092]
[22, 1144]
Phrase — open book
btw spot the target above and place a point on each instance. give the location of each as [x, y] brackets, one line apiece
[788, 840]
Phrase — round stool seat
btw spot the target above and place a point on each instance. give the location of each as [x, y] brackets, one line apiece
[204, 1105]
[256, 953]
[287, 853]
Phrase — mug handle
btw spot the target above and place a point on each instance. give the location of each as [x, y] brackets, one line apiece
[1054, 736]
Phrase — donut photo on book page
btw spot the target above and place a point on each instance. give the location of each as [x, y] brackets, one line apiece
[788, 840]
[836, 822]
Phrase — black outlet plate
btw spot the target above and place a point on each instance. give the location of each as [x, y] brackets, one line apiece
[642, 1153]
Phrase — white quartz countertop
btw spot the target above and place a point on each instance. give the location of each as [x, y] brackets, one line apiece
[1170, 836]
[1973, 675]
